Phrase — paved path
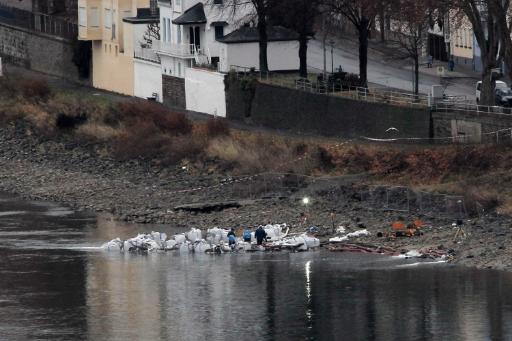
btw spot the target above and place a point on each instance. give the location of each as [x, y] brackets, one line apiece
[385, 70]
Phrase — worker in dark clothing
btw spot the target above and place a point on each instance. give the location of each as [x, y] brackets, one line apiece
[231, 232]
[260, 234]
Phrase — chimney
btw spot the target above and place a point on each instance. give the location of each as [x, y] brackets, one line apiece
[153, 7]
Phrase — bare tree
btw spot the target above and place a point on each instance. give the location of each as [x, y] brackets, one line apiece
[410, 22]
[152, 33]
[262, 10]
[361, 13]
[502, 12]
[300, 16]
[481, 14]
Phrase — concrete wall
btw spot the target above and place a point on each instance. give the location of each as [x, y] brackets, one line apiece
[282, 55]
[173, 92]
[39, 52]
[205, 91]
[471, 127]
[147, 79]
[303, 112]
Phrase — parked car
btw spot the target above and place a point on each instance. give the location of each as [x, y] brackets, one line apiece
[499, 85]
[503, 97]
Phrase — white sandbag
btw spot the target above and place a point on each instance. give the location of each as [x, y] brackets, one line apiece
[170, 244]
[217, 235]
[202, 246]
[127, 246]
[115, 244]
[275, 232]
[311, 242]
[194, 235]
[180, 238]
[355, 234]
[155, 236]
[297, 243]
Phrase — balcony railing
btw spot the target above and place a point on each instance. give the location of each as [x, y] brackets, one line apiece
[146, 54]
[177, 50]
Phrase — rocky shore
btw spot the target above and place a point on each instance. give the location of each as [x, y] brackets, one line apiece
[85, 177]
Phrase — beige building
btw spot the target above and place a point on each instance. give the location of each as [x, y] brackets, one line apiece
[461, 44]
[116, 29]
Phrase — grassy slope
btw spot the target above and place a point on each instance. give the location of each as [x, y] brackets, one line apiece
[143, 130]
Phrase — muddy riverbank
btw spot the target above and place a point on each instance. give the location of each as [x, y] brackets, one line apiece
[85, 177]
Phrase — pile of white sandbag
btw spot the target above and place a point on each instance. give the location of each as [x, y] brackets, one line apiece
[216, 241]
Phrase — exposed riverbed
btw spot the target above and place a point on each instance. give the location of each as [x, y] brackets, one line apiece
[86, 178]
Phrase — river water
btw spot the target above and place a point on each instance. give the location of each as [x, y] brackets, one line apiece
[56, 285]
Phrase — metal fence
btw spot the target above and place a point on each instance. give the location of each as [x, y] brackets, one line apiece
[38, 22]
[403, 199]
[332, 192]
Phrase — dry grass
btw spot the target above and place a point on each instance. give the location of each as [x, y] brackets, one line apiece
[148, 131]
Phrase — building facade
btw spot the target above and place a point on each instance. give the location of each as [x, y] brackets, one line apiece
[116, 29]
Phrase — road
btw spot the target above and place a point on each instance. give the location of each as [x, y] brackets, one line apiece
[382, 71]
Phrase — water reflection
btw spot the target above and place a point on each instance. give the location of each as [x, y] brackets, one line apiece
[51, 290]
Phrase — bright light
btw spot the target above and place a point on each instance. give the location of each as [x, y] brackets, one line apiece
[305, 200]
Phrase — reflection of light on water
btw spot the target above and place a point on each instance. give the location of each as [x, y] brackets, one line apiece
[308, 282]
[309, 314]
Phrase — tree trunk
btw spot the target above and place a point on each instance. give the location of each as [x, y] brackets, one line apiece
[263, 43]
[487, 92]
[382, 26]
[303, 55]
[363, 51]
[416, 75]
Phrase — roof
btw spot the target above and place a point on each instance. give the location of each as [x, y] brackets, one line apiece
[193, 15]
[144, 16]
[246, 34]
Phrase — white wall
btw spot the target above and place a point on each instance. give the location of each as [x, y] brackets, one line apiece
[148, 79]
[282, 55]
[205, 91]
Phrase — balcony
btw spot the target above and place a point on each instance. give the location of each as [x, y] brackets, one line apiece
[146, 54]
[187, 51]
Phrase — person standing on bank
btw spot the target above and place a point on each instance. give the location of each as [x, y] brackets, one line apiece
[260, 234]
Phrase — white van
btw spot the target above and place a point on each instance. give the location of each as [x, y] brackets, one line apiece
[499, 85]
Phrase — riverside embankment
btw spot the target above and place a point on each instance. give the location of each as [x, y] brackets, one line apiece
[86, 177]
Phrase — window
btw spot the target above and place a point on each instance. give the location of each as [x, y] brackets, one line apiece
[178, 33]
[169, 33]
[164, 33]
[114, 19]
[95, 17]
[108, 18]
[82, 16]
[105, 48]
[177, 5]
[116, 50]
[219, 32]
[179, 69]
[217, 2]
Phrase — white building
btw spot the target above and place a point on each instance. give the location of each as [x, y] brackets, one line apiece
[199, 42]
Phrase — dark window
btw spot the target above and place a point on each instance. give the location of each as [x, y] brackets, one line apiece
[217, 2]
[219, 32]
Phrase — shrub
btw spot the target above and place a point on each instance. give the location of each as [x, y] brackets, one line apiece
[217, 127]
[66, 121]
[135, 112]
[35, 88]
[96, 132]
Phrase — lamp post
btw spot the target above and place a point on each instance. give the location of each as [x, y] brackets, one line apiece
[331, 43]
